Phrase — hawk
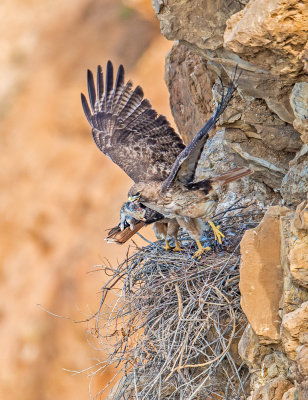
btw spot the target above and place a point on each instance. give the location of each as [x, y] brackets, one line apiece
[128, 130]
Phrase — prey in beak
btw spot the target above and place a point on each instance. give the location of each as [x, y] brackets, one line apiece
[131, 212]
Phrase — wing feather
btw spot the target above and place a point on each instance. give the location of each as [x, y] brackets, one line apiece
[132, 103]
[91, 90]
[143, 106]
[109, 77]
[123, 97]
[86, 108]
[185, 165]
[128, 130]
[118, 86]
[100, 82]
[109, 93]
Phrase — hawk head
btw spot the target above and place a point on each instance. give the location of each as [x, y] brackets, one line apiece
[144, 192]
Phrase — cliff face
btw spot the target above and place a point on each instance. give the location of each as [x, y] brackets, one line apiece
[266, 125]
[273, 284]
[266, 128]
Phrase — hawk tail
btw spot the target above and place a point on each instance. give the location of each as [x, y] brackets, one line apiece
[223, 179]
[232, 175]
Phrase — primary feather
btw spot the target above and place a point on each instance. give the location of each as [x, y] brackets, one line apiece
[185, 165]
[127, 129]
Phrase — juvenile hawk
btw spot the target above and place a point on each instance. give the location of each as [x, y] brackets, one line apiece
[153, 155]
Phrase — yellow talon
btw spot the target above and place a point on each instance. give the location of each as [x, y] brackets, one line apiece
[178, 247]
[217, 234]
[197, 255]
[167, 245]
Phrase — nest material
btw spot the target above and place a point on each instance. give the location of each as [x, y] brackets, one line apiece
[173, 329]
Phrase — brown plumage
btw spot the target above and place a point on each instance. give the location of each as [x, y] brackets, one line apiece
[143, 144]
[128, 130]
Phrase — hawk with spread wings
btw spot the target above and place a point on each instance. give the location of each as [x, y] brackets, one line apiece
[128, 130]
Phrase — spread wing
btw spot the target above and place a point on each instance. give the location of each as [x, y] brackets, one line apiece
[185, 165]
[128, 130]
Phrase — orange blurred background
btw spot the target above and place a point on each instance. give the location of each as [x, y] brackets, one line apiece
[59, 194]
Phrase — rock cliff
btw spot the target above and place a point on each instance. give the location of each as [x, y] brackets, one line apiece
[273, 284]
[265, 128]
[266, 124]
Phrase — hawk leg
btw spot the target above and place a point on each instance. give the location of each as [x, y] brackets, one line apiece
[177, 246]
[197, 255]
[167, 245]
[217, 234]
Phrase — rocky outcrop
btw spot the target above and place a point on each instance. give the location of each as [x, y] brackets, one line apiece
[270, 34]
[274, 291]
[260, 268]
[294, 185]
[191, 100]
[265, 125]
[299, 104]
[201, 23]
[265, 128]
[301, 215]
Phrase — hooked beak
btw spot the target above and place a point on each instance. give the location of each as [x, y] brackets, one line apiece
[134, 199]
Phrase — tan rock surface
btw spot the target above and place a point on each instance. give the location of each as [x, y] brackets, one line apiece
[304, 58]
[218, 157]
[299, 104]
[200, 22]
[298, 258]
[270, 33]
[302, 360]
[289, 394]
[279, 371]
[258, 137]
[262, 109]
[271, 36]
[302, 391]
[294, 186]
[273, 390]
[255, 136]
[295, 325]
[293, 293]
[275, 364]
[301, 216]
[257, 121]
[261, 276]
[190, 86]
[250, 349]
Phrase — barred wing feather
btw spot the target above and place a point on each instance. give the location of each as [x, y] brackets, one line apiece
[127, 129]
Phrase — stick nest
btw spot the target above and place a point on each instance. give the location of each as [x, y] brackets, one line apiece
[173, 327]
